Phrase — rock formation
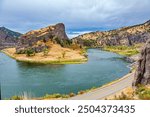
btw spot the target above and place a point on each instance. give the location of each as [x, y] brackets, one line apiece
[37, 40]
[142, 75]
[8, 38]
[123, 36]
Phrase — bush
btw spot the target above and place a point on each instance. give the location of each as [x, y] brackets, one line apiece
[71, 94]
[45, 51]
[57, 95]
[81, 92]
[30, 52]
[16, 98]
[123, 96]
[63, 54]
[62, 42]
[75, 46]
[143, 93]
[89, 43]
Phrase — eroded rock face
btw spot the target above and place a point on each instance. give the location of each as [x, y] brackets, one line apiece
[142, 75]
[123, 36]
[55, 33]
[8, 38]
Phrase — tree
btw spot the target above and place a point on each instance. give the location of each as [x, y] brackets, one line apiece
[30, 52]
[45, 51]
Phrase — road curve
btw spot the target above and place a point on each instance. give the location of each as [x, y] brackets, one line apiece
[110, 89]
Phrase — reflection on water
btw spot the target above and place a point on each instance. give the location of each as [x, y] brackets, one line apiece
[17, 77]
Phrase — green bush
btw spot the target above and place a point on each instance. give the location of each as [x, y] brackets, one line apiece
[62, 42]
[143, 93]
[57, 95]
[63, 54]
[45, 51]
[16, 98]
[30, 52]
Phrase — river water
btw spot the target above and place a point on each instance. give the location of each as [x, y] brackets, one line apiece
[38, 80]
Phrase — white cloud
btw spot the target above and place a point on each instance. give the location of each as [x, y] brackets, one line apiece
[25, 14]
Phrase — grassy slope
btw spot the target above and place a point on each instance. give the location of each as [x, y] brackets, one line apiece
[124, 50]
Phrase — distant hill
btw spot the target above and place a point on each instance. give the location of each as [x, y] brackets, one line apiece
[8, 38]
[124, 36]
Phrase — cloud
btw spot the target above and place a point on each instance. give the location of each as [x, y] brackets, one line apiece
[23, 15]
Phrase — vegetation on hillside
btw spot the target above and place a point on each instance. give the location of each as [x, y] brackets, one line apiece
[143, 93]
[140, 93]
[124, 50]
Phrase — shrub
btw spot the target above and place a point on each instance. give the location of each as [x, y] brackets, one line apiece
[63, 54]
[81, 92]
[75, 46]
[57, 95]
[30, 52]
[16, 98]
[71, 94]
[123, 96]
[45, 51]
[62, 42]
[143, 93]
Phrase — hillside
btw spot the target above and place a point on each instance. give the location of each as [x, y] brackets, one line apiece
[124, 36]
[47, 45]
[8, 38]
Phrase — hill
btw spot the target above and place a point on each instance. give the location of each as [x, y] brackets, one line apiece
[47, 45]
[8, 38]
[125, 36]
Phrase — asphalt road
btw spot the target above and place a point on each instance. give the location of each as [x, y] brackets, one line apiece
[110, 89]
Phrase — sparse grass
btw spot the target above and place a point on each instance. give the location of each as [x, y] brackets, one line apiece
[46, 61]
[55, 96]
[123, 96]
[16, 98]
[143, 93]
[65, 96]
[23, 96]
[140, 93]
[51, 96]
[124, 50]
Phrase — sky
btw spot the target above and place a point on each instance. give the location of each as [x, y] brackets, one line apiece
[77, 15]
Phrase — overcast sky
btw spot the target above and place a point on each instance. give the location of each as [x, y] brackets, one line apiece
[25, 15]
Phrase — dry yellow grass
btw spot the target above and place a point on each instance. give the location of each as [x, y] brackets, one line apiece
[56, 54]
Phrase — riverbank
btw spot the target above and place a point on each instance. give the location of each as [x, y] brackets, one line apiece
[124, 50]
[56, 55]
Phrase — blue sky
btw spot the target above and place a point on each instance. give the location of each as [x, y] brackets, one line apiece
[77, 15]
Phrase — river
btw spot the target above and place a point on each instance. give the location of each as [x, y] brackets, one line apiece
[38, 80]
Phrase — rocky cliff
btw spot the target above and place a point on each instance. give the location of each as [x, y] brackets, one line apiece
[142, 75]
[37, 40]
[123, 36]
[8, 38]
